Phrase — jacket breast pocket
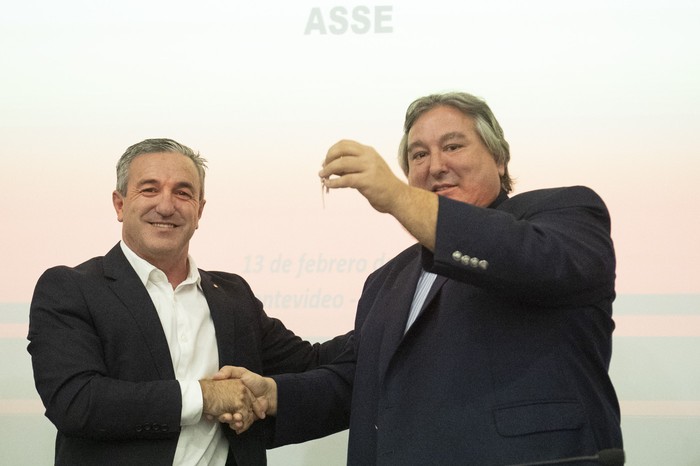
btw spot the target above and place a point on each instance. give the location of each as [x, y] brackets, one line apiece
[539, 416]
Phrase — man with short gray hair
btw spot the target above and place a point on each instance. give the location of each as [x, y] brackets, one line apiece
[123, 345]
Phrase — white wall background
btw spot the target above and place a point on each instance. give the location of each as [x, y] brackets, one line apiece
[601, 93]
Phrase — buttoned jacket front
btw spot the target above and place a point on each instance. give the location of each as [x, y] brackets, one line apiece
[103, 369]
[507, 362]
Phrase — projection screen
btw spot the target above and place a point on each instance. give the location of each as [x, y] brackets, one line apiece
[599, 93]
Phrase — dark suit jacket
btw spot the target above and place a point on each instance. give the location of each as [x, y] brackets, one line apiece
[103, 368]
[507, 363]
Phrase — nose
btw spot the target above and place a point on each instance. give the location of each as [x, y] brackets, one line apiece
[166, 205]
[438, 167]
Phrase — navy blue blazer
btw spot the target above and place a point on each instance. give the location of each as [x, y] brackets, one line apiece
[103, 369]
[507, 362]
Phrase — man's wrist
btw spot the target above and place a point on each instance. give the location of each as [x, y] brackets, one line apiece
[271, 396]
[208, 397]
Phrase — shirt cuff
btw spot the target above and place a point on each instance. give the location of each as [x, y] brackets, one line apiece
[192, 402]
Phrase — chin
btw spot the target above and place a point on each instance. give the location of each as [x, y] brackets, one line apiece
[461, 197]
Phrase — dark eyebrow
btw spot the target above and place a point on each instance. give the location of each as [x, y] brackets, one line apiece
[413, 145]
[185, 184]
[443, 139]
[180, 185]
[451, 136]
[147, 181]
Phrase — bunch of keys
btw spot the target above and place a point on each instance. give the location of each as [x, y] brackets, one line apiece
[324, 190]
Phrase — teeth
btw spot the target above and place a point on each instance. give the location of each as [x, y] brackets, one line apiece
[163, 225]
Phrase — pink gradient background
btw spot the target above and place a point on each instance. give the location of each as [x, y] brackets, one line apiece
[594, 94]
[601, 93]
[57, 206]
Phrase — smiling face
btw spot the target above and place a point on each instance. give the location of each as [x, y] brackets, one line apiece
[161, 208]
[447, 156]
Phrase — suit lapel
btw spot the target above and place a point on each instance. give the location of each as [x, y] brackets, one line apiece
[404, 288]
[127, 286]
[397, 305]
[224, 324]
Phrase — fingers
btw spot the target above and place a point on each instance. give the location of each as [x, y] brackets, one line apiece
[228, 418]
[230, 372]
[349, 164]
[336, 168]
[243, 417]
[242, 410]
[260, 406]
[343, 148]
[235, 396]
[342, 158]
[240, 422]
[222, 396]
[256, 406]
[235, 422]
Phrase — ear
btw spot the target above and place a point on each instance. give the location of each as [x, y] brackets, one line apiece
[501, 169]
[118, 202]
[201, 209]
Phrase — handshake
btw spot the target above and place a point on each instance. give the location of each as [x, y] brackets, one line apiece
[238, 397]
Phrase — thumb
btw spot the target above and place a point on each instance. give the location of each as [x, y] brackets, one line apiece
[230, 372]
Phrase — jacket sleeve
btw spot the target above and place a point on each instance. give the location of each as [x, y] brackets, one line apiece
[315, 403]
[280, 350]
[84, 394]
[549, 247]
[263, 344]
[285, 352]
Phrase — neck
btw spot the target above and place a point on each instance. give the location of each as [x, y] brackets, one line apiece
[175, 269]
[176, 272]
[175, 265]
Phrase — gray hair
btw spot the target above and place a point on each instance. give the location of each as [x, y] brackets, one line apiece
[152, 146]
[485, 123]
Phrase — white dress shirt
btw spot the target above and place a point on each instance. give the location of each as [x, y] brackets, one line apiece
[425, 282]
[189, 330]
